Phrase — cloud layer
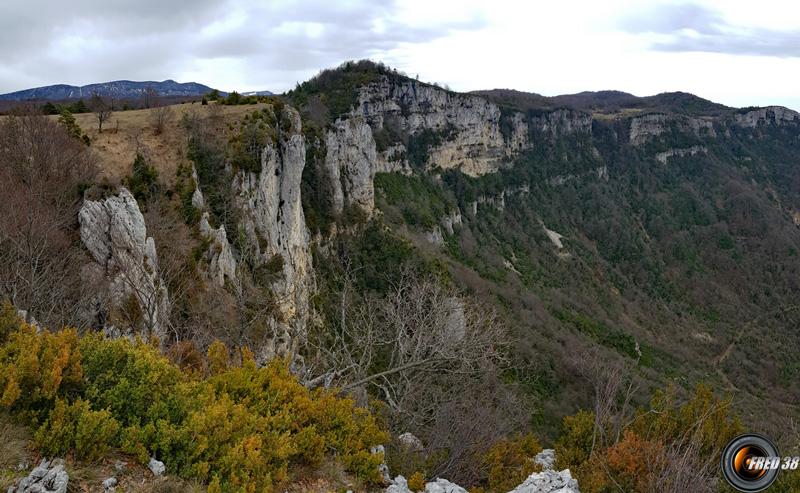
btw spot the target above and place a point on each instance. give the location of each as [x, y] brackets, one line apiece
[695, 28]
[254, 44]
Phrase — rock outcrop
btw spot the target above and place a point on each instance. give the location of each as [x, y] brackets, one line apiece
[125, 260]
[350, 160]
[274, 226]
[221, 262]
[663, 157]
[548, 482]
[400, 485]
[775, 115]
[646, 127]
[47, 477]
[471, 137]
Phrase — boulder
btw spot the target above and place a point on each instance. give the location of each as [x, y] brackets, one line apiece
[157, 467]
[110, 484]
[47, 477]
[443, 486]
[548, 482]
[410, 442]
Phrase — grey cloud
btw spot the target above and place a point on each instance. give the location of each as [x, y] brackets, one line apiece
[346, 32]
[82, 41]
[693, 28]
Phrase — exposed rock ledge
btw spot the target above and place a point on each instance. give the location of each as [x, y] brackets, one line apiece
[662, 157]
[114, 232]
[274, 226]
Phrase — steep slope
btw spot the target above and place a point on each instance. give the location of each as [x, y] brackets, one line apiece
[660, 232]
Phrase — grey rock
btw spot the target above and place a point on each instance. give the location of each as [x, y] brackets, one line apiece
[382, 468]
[110, 484]
[221, 262]
[774, 115]
[443, 486]
[114, 232]
[47, 477]
[546, 458]
[274, 225]
[644, 128]
[156, 466]
[434, 236]
[350, 161]
[548, 482]
[400, 485]
[410, 442]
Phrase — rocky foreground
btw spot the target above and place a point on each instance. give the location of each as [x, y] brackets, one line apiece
[547, 481]
[50, 477]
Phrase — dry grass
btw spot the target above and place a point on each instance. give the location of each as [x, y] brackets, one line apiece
[324, 478]
[15, 449]
[127, 132]
[166, 484]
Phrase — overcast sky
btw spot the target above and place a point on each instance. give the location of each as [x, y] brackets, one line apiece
[735, 52]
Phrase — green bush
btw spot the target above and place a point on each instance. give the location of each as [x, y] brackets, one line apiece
[76, 427]
[143, 181]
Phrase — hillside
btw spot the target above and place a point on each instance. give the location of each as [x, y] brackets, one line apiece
[422, 250]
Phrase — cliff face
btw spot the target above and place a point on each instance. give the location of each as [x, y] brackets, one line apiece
[424, 127]
[276, 232]
[644, 128]
[474, 142]
[776, 115]
[351, 161]
[125, 260]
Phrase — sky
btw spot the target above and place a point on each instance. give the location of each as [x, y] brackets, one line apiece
[739, 53]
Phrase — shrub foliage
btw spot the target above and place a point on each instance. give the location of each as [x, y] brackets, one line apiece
[236, 426]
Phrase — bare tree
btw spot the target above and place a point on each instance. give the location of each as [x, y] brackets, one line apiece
[150, 98]
[160, 117]
[41, 170]
[402, 343]
[102, 109]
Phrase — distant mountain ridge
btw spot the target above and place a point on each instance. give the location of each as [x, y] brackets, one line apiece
[606, 101]
[120, 89]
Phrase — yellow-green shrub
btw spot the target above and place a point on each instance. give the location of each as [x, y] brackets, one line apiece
[76, 427]
[416, 482]
[510, 461]
[238, 429]
[36, 368]
[574, 445]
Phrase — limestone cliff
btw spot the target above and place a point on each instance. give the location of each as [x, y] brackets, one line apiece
[646, 127]
[453, 130]
[219, 255]
[276, 232]
[126, 263]
[474, 142]
[777, 115]
[351, 161]
[221, 261]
